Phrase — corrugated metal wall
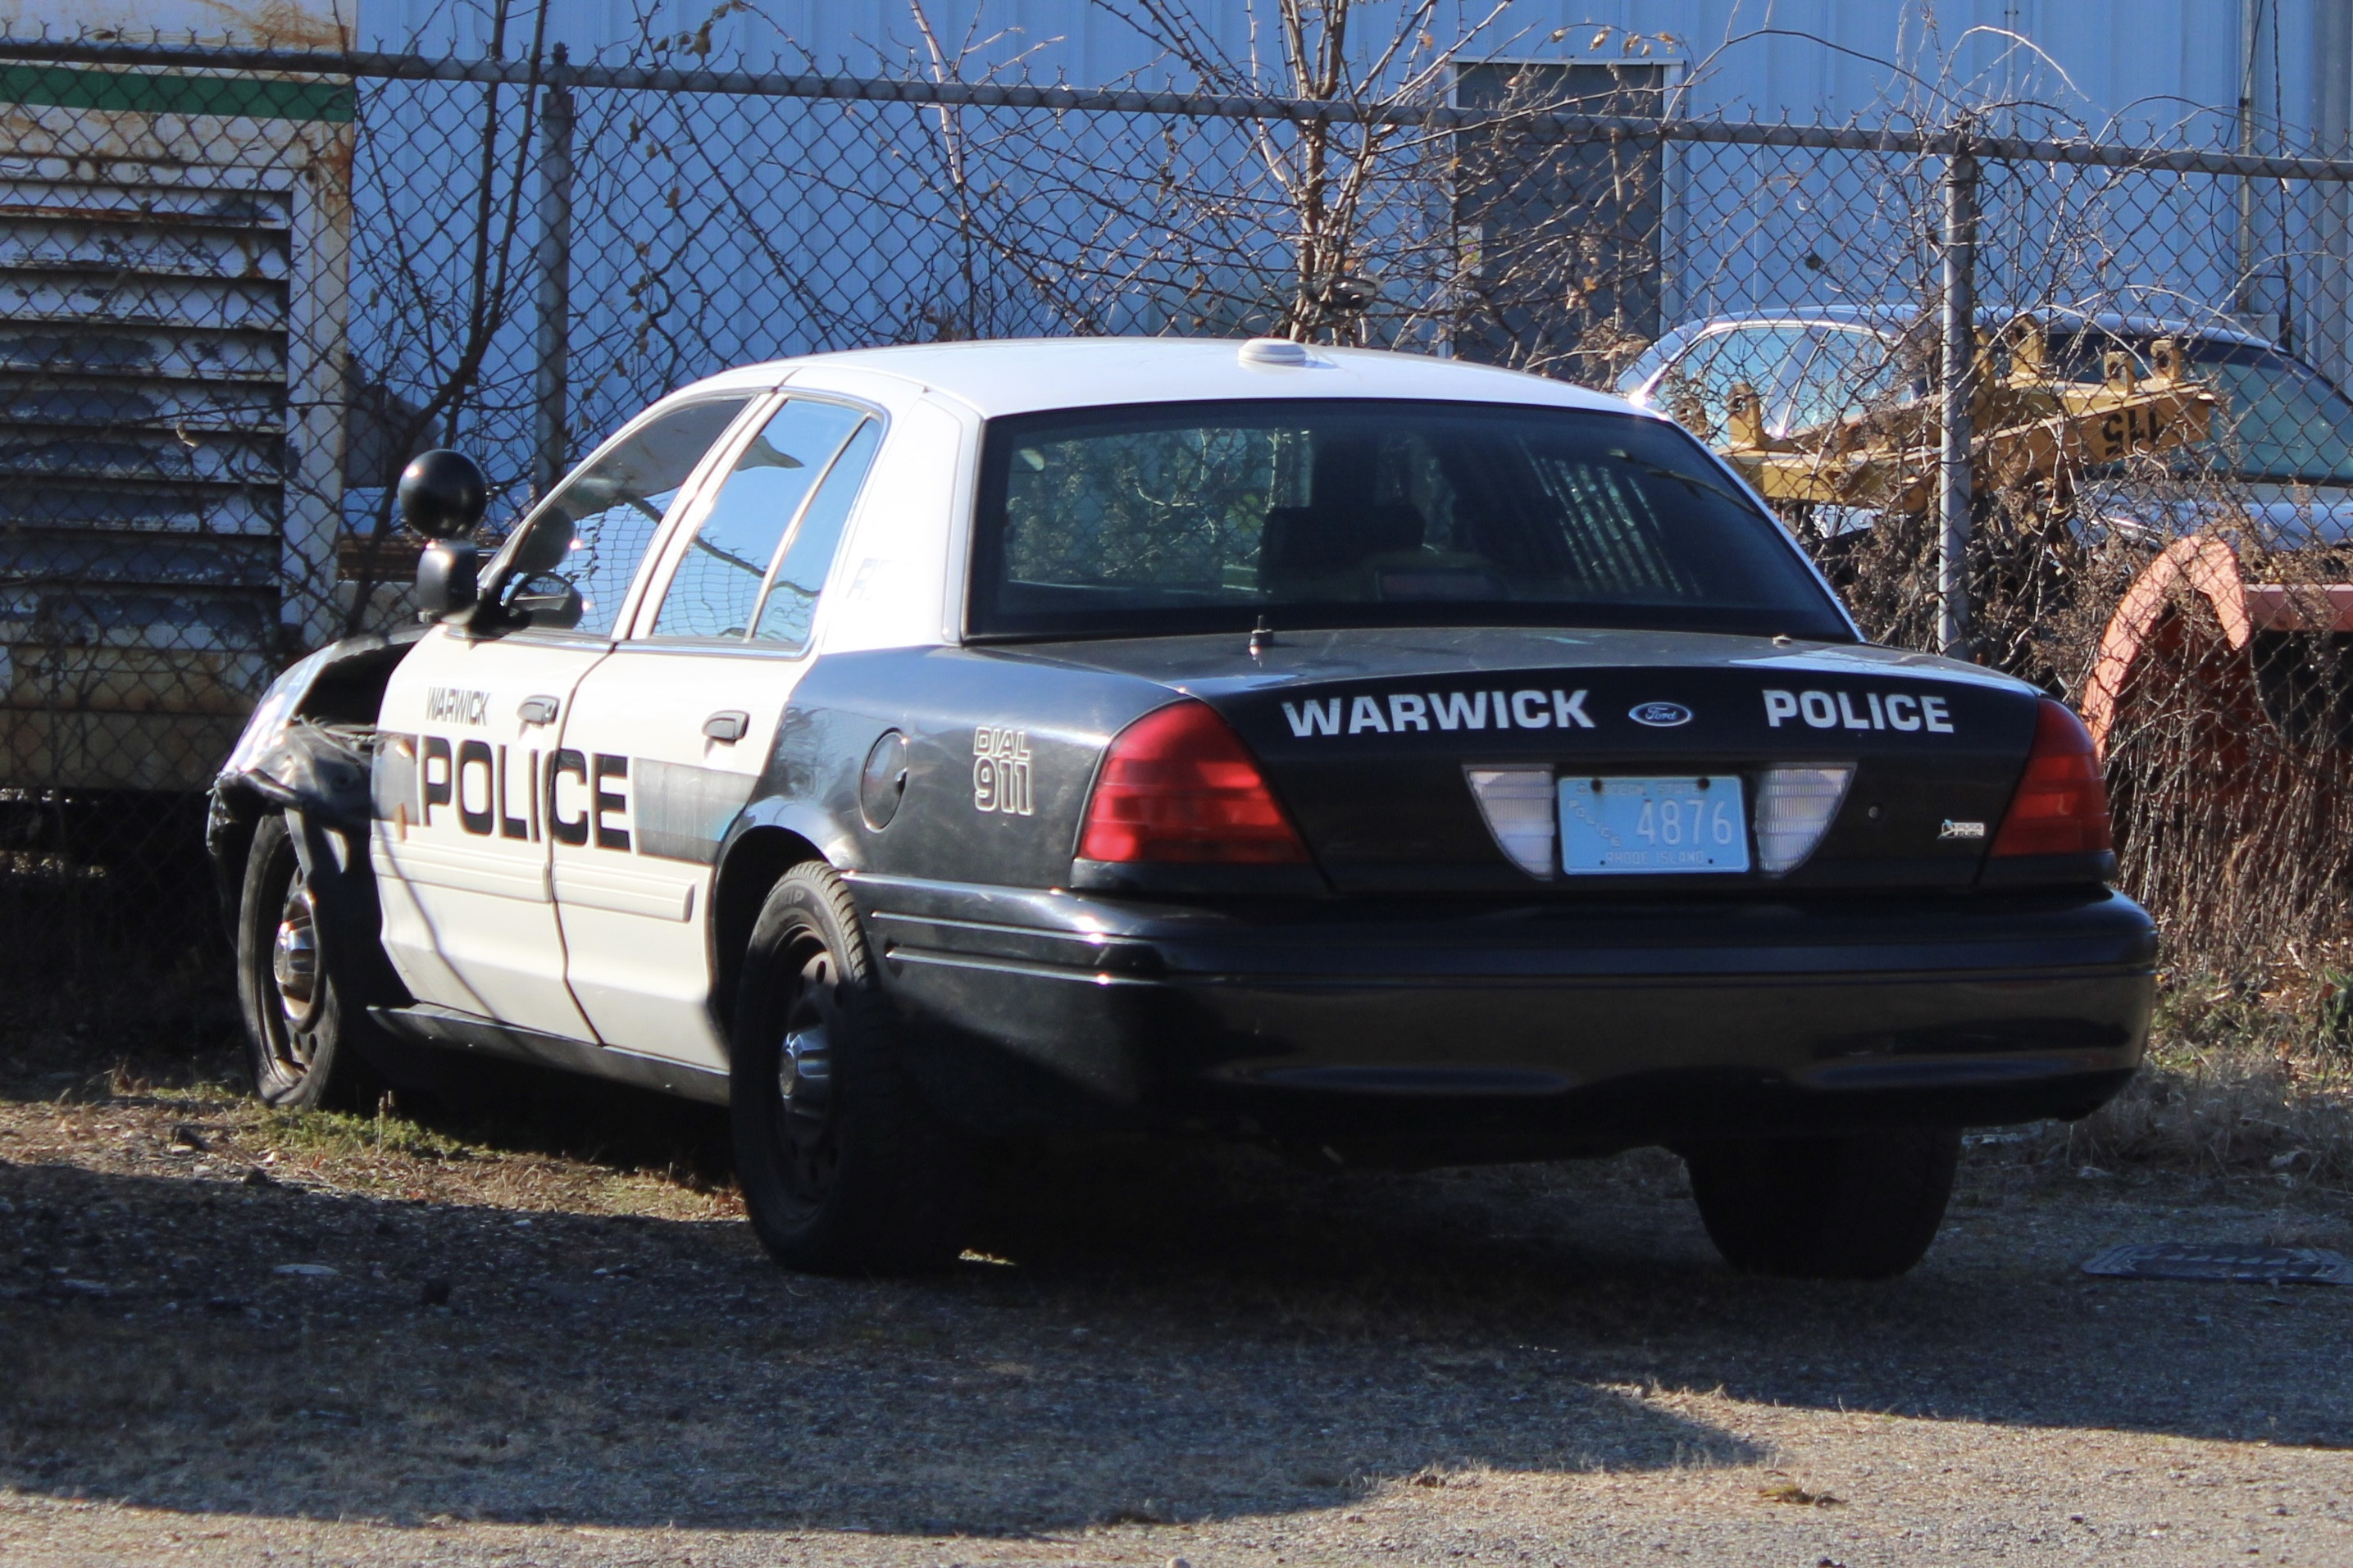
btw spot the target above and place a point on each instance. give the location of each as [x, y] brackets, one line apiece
[2168, 71]
[2143, 66]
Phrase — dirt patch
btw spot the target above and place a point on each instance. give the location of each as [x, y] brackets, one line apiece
[533, 1327]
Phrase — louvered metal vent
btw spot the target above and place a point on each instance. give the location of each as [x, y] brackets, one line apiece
[166, 493]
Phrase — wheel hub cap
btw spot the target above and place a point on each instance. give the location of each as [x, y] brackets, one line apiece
[294, 960]
[804, 1072]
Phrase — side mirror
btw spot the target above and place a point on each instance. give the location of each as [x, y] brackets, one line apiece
[448, 579]
[442, 494]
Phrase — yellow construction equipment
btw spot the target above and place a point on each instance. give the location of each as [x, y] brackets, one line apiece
[2031, 431]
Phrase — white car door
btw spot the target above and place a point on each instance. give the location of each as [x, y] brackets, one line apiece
[683, 720]
[473, 783]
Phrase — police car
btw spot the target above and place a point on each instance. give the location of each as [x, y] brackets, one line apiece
[1401, 761]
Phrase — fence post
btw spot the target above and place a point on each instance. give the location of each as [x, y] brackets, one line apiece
[1959, 331]
[552, 343]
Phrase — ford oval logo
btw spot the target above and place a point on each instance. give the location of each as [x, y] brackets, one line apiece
[1659, 715]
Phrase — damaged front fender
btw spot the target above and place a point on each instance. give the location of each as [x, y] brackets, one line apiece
[309, 753]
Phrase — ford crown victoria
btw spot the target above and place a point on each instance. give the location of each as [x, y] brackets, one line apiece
[1403, 761]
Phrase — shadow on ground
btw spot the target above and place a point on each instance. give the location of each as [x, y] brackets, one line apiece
[1152, 1333]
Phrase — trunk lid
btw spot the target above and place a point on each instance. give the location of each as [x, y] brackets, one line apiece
[1366, 737]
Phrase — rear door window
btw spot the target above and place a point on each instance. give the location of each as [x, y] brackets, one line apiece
[715, 590]
[790, 609]
[1697, 388]
[1845, 372]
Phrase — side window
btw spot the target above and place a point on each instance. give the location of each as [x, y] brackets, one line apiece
[791, 607]
[716, 588]
[1847, 373]
[1697, 391]
[594, 530]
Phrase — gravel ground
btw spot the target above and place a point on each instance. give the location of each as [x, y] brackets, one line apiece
[533, 1329]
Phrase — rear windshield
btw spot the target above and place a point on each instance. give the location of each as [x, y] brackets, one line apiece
[1168, 518]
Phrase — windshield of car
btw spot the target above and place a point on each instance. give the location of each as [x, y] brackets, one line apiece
[1211, 516]
[2281, 421]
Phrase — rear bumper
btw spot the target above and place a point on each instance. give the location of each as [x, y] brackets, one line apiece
[1542, 1025]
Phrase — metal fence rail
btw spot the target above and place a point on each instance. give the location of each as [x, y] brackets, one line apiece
[244, 285]
[1922, 140]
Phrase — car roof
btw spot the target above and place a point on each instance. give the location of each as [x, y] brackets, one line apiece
[1890, 320]
[1002, 376]
[1891, 317]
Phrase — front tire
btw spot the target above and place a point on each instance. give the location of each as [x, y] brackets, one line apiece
[300, 1039]
[844, 1168]
[1860, 1208]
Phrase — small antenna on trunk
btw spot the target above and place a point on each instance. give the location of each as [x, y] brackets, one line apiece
[1261, 638]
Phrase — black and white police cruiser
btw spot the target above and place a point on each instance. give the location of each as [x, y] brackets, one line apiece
[1404, 760]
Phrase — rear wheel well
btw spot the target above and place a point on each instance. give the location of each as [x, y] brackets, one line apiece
[753, 864]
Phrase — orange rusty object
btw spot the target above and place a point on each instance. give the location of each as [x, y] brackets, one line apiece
[2192, 620]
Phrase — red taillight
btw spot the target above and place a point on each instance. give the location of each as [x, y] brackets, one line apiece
[1178, 784]
[2062, 803]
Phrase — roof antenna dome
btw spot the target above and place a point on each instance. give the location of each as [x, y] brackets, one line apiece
[1274, 352]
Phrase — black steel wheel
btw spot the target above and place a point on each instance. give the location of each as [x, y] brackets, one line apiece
[844, 1166]
[301, 1042]
[1864, 1206]
[807, 1132]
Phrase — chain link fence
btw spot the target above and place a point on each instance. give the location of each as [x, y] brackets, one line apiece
[1986, 379]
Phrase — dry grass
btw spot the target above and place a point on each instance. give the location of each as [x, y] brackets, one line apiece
[1207, 1352]
[2247, 1075]
[514, 1140]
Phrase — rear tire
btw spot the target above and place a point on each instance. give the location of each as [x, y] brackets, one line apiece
[844, 1167]
[1860, 1208]
[301, 1042]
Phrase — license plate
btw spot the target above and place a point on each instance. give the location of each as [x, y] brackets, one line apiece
[1614, 827]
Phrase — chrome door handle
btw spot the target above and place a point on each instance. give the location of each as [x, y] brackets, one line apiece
[727, 726]
[537, 710]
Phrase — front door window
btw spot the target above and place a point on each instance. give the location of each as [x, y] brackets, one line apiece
[593, 532]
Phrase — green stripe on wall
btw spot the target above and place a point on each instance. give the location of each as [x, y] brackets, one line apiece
[148, 92]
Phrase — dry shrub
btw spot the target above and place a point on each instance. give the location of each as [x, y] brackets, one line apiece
[2230, 775]
[2231, 783]
[2244, 1078]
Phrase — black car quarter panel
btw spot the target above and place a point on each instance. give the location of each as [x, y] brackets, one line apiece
[999, 751]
